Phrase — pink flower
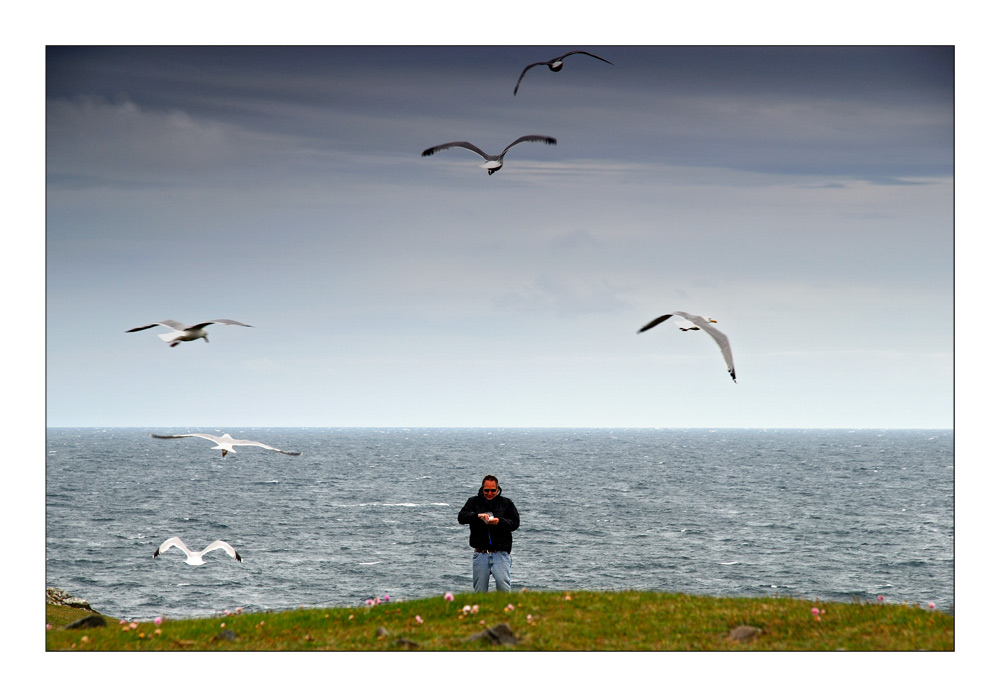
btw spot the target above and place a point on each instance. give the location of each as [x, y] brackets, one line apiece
[386, 598]
[475, 609]
[508, 608]
[239, 610]
[157, 620]
[123, 622]
[931, 605]
[133, 625]
[881, 598]
[369, 602]
[223, 624]
[48, 626]
[419, 619]
[467, 609]
[449, 597]
[815, 611]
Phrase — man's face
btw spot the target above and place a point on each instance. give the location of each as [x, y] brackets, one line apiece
[489, 489]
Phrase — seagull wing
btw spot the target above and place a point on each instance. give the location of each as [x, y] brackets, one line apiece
[228, 548]
[225, 321]
[172, 542]
[526, 70]
[456, 144]
[202, 325]
[530, 139]
[214, 439]
[723, 341]
[261, 445]
[173, 324]
[584, 53]
[653, 323]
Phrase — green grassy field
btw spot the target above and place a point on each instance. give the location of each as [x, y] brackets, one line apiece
[542, 621]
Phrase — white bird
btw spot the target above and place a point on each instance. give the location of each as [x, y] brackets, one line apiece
[493, 162]
[556, 64]
[185, 332]
[195, 558]
[700, 322]
[226, 443]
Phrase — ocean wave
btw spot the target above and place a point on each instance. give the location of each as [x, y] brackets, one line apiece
[405, 504]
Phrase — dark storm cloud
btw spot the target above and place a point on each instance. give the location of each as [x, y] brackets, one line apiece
[867, 112]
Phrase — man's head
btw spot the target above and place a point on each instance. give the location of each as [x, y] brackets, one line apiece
[491, 486]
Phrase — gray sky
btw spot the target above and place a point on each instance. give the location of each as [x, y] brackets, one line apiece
[803, 197]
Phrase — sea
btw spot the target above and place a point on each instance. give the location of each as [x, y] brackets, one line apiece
[837, 515]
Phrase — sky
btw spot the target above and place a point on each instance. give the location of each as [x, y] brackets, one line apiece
[803, 197]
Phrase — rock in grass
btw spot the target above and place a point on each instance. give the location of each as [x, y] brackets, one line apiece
[225, 635]
[499, 634]
[406, 643]
[86, 622]
[744, 633]
[57, 596]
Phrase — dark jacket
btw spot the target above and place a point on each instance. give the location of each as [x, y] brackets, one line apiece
[492, 537]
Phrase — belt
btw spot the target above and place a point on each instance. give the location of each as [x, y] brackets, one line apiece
[488, 551]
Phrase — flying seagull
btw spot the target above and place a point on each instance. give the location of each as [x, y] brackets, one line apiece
[226, 443]
[493, 162]
[700, 322]
[183, 332]
[555, 65]
[195, 558]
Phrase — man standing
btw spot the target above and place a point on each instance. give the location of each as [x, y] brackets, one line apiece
[491, 519]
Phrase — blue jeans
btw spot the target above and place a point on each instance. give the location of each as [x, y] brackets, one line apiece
[496, 564]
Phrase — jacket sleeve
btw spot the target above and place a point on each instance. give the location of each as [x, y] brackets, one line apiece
[510, 520]
[468, 514]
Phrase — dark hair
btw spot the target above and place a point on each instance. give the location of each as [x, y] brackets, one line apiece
[490, 476]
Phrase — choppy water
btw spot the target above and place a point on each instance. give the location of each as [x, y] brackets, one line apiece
[825, 514]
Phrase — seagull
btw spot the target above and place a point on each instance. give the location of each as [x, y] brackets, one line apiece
[493, 162]
[556, 64]
[700, 322]
[226, 443]
[184, 332]
[195, 558]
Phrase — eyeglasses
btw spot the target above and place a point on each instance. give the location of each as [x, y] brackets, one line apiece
[488, 491]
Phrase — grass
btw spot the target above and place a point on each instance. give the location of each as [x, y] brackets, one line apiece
[543, 621]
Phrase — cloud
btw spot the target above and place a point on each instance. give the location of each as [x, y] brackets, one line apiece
[551, 294]
[94, 141]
